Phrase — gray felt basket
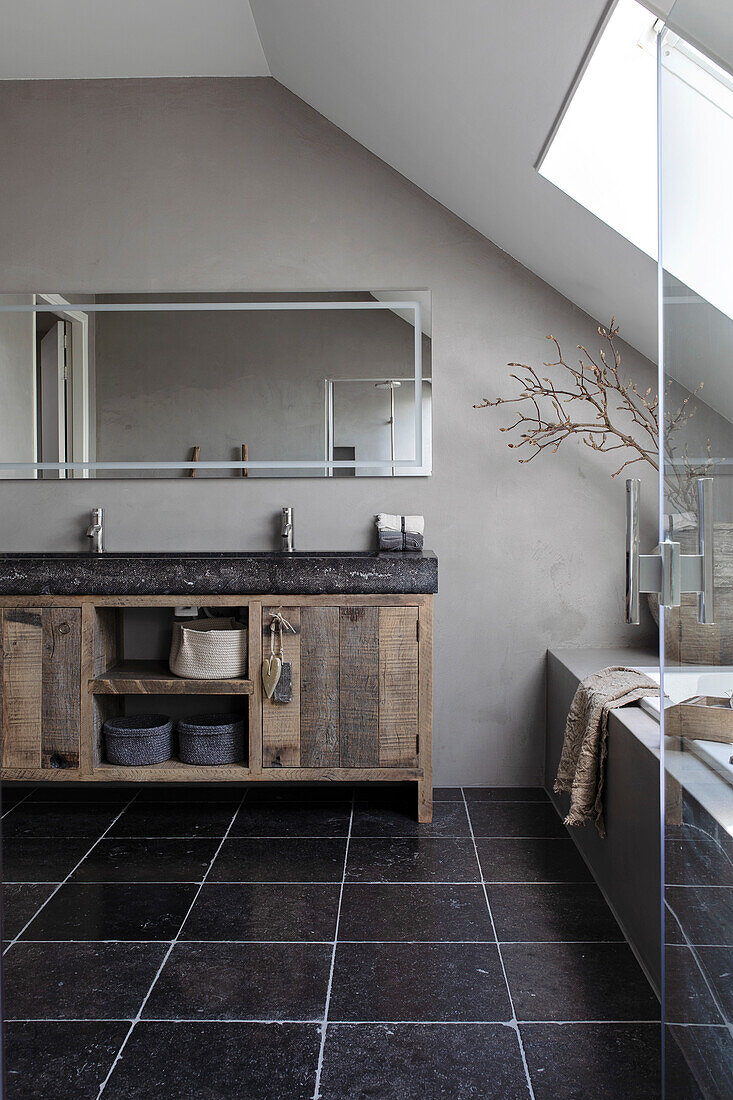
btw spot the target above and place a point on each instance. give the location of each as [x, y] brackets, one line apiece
[211, 739]
[139, 739]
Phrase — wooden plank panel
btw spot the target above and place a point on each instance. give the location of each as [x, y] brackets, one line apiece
[398, 707]
[281, 721]
[359, 686]
[254, 658]
[206, 600]
[106, 640]
[21, 687]
[61, 715]
[425, 755]
[319, 687]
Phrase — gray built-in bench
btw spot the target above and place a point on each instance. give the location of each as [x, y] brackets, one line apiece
[626, 864]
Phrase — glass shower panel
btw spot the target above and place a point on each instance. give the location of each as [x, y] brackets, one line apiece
[696, 311]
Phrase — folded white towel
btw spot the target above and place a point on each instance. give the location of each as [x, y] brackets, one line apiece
[414, 524]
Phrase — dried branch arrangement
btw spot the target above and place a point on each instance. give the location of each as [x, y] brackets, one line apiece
[596, 406]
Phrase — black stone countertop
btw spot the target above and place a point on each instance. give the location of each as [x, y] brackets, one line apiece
[303, 573]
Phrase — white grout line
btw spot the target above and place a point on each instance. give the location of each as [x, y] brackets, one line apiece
[173, 942]
[345, 1023]
[688, 944]
[124, 837]
[20, 803]
[515, 1024]
[326, 943]
[474, 883]
[71, 872]
[324, 1022]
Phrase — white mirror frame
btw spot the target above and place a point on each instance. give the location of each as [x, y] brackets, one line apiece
[50, 303]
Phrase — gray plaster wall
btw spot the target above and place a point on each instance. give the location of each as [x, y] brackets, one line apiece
[236, 184]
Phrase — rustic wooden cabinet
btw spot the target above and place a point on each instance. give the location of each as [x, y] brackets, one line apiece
[40, 687]
[355, 689]
[361, 704]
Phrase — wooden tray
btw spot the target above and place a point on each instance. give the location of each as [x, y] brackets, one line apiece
[703, 718]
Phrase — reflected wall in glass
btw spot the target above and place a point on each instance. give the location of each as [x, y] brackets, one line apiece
[696, 304]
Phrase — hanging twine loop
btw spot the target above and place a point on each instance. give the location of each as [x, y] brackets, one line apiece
[278, 623]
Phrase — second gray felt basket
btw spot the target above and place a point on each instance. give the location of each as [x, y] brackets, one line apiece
[211, 739]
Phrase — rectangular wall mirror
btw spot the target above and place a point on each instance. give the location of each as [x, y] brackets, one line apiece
[235, 385]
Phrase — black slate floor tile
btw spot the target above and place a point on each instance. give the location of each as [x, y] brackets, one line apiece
[404, 912]
[531, 860]
[411, 982]
[419, 859]
[625, 1061]
[699, 1063]
[505, 794]
[447, 794]
[147, 861]
[688, 999]
[30, 859]
[672, 930]
[186, 793]
[696, 862]
[449, 820]
[11, 796]
[561, 911]
[216, 1061]
[60, 1058]
[300, 792]
[390, 796]
[717, 963]
[224, 981]
[20, 902]
[174, 819]
[83, 792]
[263, 911]
[577, 981]
[113, 911]
[53, 820]
[78, 980]
[515, 819]
[422, 1062]
[704, 912]
[243, 859]
[292, 819]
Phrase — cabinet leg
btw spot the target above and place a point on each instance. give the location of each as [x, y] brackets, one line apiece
[425, 800]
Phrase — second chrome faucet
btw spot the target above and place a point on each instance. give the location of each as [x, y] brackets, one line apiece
[95, 531]
[287, 531]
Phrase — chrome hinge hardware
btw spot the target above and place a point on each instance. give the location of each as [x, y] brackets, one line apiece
[668, 572]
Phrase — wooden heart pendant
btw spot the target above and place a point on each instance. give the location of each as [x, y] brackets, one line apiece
[271, 670]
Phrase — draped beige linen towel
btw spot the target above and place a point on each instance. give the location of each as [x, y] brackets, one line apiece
[582, 764]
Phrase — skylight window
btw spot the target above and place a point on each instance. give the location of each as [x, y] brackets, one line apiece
[603, 153]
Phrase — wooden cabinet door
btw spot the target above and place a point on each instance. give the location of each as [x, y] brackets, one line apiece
[355, 689]
[40, 687]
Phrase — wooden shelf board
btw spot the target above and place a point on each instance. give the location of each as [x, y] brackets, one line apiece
[155, 678]
[171, 770]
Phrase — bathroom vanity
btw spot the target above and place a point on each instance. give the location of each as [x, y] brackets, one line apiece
[85, 637]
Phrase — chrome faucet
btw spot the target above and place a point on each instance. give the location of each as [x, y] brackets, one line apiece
[95, 531]
[287, 531]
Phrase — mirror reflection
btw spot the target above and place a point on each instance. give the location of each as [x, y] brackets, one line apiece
[228, 385]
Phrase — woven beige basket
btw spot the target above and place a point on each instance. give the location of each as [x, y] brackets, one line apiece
[211, 649]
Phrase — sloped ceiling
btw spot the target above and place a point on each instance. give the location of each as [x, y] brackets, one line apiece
[460, 98]
[78, 39]
[457, 95]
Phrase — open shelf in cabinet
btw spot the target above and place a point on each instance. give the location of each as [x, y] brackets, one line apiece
[147, 677]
